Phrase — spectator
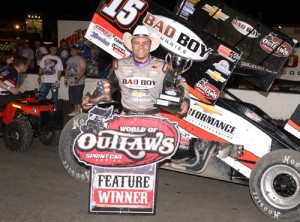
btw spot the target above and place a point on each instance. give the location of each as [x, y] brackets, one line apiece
[40, 52]
[75, 79]
[29, 54]
[6, 58]
[104, 61]
[13, 49]
[19, 46]
[84, 50]
[50, 69]
[64, 52]
[8, 79]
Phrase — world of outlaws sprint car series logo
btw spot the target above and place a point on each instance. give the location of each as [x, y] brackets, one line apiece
[108, 140]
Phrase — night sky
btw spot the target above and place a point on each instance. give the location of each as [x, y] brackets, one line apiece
[269, 11]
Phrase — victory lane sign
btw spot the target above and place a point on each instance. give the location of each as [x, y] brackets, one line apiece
[123, 153]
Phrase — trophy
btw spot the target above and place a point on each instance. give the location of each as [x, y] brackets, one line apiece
[170, 99]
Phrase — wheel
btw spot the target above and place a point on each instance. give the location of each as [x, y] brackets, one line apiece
[50, 138]
[275, 185]
[18, 135]
[78, 171]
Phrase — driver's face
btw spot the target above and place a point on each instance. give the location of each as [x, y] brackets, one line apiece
[141, 48]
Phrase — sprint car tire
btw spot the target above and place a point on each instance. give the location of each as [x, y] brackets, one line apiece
[50, 138]
[75, 169]
[275, 185]
[18, 135]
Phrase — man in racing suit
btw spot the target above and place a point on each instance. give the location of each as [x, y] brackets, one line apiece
[140, 77]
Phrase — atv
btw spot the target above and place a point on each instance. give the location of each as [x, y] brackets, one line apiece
[28, 118]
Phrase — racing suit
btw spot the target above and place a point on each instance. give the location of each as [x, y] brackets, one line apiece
[141, 83]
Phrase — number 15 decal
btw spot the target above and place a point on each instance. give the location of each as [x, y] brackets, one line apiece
[125, 13]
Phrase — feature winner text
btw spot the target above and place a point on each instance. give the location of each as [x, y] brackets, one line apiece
[126, 189]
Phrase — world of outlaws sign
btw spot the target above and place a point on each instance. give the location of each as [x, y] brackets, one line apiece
[123, 152]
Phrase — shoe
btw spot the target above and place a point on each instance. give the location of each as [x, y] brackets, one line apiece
[73, 113]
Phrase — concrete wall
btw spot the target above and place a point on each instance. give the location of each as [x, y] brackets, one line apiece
[278, 105]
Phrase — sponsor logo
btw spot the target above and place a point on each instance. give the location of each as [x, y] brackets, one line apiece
[125, 141]
[244, 28]
[228, 53]
[103, 31]
[253, 116]
[139, 83]
[119, 41]
[215, 12]
[207, 90]
[118, 49]
[209, 108]
[96, 36]
[272, 44]
[212, 124]
[177, 38]
[188, 8]
[184, 13]
[215, 75]
[255, 67]
[222, 66]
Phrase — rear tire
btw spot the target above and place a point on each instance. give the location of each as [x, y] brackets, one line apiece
[69, 133]
[18, 135]
[50, 138]
[275, 185]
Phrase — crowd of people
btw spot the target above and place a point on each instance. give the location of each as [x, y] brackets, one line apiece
[51, 63]
[71, 61]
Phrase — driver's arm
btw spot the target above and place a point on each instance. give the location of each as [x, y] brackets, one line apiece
[185, 95]
[114, 85]
[183, 88]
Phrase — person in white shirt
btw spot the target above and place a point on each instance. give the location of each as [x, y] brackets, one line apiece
[40, 52]
[50, 74]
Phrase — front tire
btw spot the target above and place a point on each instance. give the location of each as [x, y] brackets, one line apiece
[275, 185]
[69, 133]
[18, 135]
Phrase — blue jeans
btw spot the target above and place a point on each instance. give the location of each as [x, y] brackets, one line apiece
[44, 90]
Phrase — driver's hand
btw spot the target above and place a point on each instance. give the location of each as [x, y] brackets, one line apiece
[184, 108]
[39, 80]
[84, 103]
[14, 91]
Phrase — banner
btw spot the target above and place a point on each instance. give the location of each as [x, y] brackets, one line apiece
[123, 153]
[213, 60]
[264, 49]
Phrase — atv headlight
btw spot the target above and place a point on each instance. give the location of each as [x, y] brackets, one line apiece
[33, 110]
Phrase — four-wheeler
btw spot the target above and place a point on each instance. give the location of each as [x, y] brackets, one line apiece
[27, 118]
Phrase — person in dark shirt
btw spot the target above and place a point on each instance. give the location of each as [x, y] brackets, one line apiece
[104, 61]
[6, 58]
[8, 81]
[64, 52]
